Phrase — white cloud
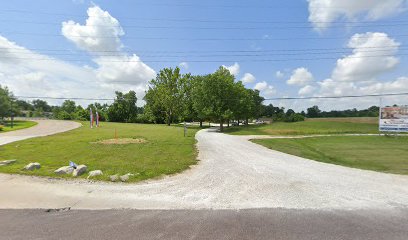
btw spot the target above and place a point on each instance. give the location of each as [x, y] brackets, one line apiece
[101, 32]
[300, 77]
[184, 65]
[306, 90]
[248, 78]
[115, 66]
[280, 74]
[28, 73]
[323, 12]
[265, 89]
[364, 64]
[234, 69]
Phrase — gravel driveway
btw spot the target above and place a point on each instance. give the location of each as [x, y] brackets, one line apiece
[43, 128]
[232, 173]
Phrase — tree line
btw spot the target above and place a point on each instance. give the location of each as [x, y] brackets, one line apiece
[173, 97]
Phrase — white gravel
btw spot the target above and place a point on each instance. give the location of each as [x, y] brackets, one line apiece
[43, 128]
[233, 174]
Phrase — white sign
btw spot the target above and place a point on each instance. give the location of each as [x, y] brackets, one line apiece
[394, 119]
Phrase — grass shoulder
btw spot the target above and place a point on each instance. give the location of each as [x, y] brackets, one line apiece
[163, 150]
[17, 125]
[379, 153]
[309, 127]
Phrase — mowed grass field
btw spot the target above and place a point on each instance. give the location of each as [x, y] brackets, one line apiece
[379, 153]
[17, 125]
[310, 127]
[165, 151]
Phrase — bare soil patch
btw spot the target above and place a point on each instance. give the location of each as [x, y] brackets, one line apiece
[121, 141]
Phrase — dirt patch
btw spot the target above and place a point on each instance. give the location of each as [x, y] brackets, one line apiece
[121, 141]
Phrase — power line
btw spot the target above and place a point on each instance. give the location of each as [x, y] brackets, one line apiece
[192, 19]
[265, 99]
[213, 28]
[335, 97]
[211, 55]
[202, 51]
[206, 61]
[193, 39]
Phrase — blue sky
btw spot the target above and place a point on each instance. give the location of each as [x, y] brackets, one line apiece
[296, 48]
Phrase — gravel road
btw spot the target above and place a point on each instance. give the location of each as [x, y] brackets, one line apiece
[43, 128]
[232, 173]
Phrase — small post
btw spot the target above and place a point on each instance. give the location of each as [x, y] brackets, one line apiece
[185, 129]
[11, 113]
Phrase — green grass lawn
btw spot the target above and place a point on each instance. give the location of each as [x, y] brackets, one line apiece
[17, 125]
[165, 151]
[378, 153]
[312, 126]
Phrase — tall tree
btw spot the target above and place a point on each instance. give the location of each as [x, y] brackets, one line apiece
[5, 102]
[166, 93]
[124, 108]
[218, 95]
[313, 112]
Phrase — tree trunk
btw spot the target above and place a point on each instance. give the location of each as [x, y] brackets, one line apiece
[228, 123]
[238, 122]
[221, 126]
[201, 123]
[246, 122]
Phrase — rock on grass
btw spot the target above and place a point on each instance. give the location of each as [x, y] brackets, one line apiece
[64, 170]
[95, 173]
[7, 162]
[32, 166]
[81, 169]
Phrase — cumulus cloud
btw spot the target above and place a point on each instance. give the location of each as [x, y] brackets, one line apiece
[300, 77]
[360, 74]
[29, 73]
[101, 32]
[265, 89]
[100, 36]
[364, 64]
[234, 69]
[184, 65]
[280, 74]
[306, 90]
[248, 78]
[323, 12]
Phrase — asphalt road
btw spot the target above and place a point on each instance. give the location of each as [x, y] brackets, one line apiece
[204, 224]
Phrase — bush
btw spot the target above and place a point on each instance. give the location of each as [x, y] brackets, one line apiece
[296, 117]
[1, 127]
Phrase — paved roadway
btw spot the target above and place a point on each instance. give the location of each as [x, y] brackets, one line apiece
[204, 224]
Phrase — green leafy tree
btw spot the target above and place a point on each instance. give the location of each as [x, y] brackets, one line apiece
[5, 102]
[124, 108]
[218, 92]
[313, 112]
[166, 94]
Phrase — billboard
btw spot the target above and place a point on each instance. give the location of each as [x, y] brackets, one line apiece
[394, 119]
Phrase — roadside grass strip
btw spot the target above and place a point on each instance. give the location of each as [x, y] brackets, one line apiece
[144, 151]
